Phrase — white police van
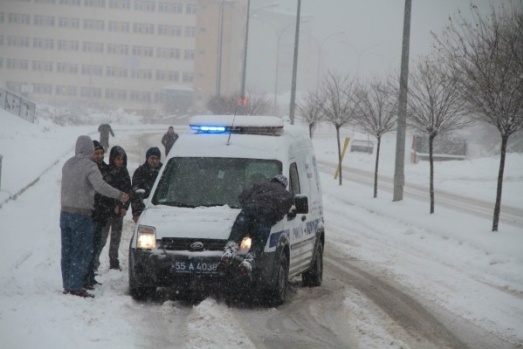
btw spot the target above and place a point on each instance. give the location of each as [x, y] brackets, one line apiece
[180, 236]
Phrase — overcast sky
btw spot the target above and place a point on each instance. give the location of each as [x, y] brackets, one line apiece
[370, 44]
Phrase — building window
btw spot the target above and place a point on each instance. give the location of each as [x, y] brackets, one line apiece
[43, 89]
[188, 55]
[94, 24]
[68, 22]
[94, 3]
[90, 92]
[19, 18]
[43, 66]
[190, 32]
[92, 70]
[167, 75]
[143, 51]
[2, 17]
[116, 72]
[45, 1]
[120, 4]
[146, 74]
[191, 9]
[18, 41]
[67, 68]
[71, 2]
[140, 96]
[144, 5]
[170, 30]
[143, 28]
[170, 53]
[68, 45]
[112, 93]
[93, 47]
[119, 27]
[65, 90]
[169, 7]
[43, 21]
[118, 49]
[41, 43]
[187, 77]
[19, 64]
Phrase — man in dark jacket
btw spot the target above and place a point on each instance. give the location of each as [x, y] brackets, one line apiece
[143, 178]
[118, 177]
[169, 139]
[100, 215]
[263, 205]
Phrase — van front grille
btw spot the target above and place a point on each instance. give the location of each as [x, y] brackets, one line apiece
[189, 244]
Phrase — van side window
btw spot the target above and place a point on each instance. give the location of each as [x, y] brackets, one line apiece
[294, 186]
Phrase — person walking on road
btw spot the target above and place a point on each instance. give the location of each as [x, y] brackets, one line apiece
[81, 178]
[143, 178]
[169, 139]
[105, 130]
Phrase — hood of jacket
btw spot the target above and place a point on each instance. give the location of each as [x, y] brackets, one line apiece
[84, 147]
[116, 151]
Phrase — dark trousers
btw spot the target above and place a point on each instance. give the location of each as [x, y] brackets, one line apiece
[256, 222]
[77, 245]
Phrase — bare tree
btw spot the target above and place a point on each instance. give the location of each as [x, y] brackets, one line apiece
[230, 104]
[339, 105]
[310, 110]
[377, 113]
[487, 56]
[434, 107]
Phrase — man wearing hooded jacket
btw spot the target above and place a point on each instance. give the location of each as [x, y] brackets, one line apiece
[81, 178]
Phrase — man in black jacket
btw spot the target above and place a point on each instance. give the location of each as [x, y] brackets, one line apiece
[143, 178]
[169, 139]
[263, 205]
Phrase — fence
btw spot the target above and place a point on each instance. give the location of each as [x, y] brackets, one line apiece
[17, 105]
[443, 149]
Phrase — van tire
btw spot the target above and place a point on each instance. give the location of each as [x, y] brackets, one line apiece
[278, 294]
[314, 276]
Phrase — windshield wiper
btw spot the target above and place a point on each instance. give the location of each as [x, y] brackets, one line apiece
[176, 204]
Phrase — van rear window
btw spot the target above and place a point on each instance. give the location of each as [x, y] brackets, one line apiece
[210, 181]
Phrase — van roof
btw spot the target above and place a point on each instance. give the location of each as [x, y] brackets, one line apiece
[239, 144]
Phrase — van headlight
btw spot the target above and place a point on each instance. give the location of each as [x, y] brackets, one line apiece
[146, 237]
[246, 243]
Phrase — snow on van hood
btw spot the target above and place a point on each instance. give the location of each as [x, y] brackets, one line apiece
[181, 222]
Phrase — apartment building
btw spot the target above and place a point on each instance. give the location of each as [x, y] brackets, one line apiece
[149, 56]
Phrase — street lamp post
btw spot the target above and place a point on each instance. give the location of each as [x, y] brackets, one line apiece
[295, 64]
[320, 47]
[246, 45]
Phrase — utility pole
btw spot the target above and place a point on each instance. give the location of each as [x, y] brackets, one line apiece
[295, 64]
[218, 86]
[399, 168]
[244, 71]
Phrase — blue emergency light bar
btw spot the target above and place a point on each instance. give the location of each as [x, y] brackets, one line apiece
[240, 124]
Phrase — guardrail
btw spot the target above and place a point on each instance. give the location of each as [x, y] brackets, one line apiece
[17, 105]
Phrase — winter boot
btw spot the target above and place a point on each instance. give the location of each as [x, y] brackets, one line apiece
[247, 264]
[229, 252]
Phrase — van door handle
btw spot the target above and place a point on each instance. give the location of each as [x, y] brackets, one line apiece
[303, 218]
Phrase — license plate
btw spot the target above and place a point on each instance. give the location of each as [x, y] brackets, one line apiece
[197, 267]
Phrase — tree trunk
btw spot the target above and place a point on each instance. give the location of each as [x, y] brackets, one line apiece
[497, 206]
[431, 161]
[311, 126]
[339, 152]
[376, 167]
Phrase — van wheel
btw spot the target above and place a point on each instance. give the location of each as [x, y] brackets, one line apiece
[314, 276]
[142, 293]
[278, 294]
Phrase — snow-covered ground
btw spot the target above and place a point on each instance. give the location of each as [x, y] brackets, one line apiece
[449, 257]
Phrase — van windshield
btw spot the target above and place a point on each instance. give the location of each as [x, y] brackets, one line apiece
[201, 181]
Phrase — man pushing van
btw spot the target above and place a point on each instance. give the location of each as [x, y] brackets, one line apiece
[263, 205]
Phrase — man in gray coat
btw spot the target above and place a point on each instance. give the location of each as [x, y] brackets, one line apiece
[80, 179]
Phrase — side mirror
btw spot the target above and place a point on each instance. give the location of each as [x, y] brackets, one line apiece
[302, 204]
